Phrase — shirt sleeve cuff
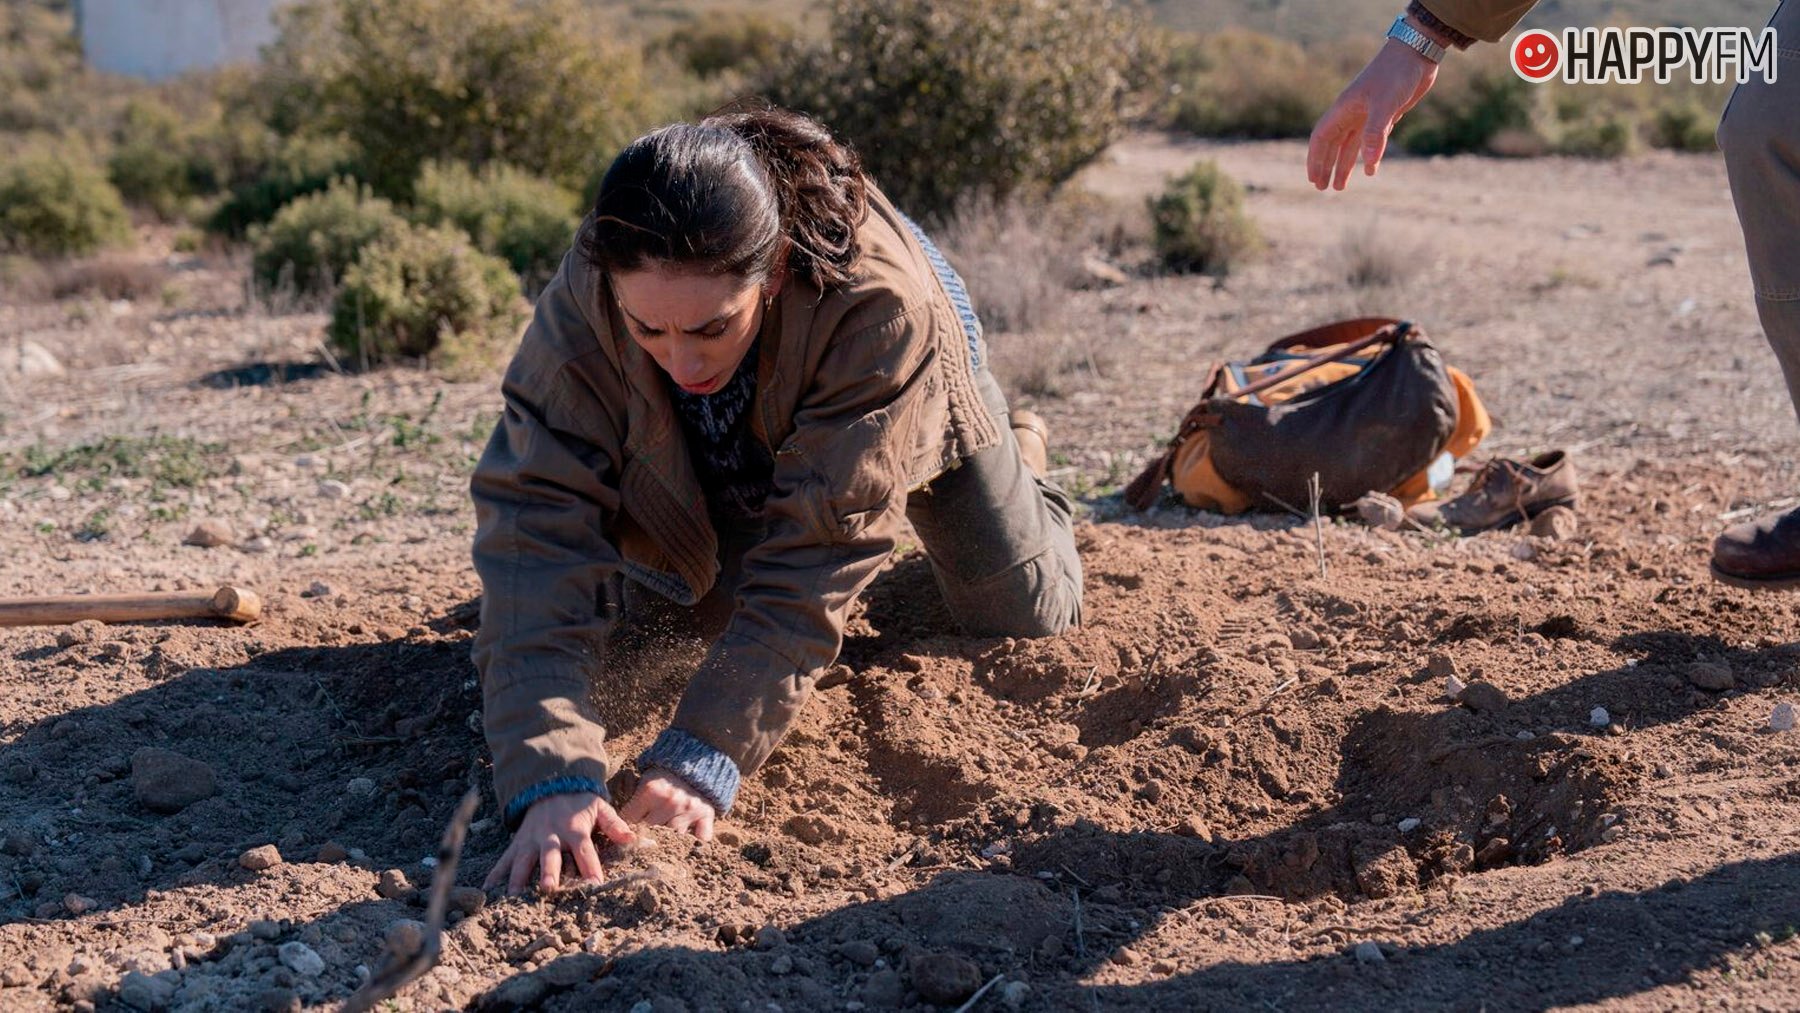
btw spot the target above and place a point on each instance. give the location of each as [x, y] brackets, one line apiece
[515, 810]
[713, 775]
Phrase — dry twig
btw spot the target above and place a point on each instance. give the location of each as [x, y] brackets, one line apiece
[403, 971]
[1313, 490]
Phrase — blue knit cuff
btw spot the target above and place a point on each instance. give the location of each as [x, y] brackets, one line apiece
[515, 810]
[712, 774]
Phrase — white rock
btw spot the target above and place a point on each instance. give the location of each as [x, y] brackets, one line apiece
[331, 488]
[1453, 688]
[301, 959]
[1408, 825]
[1599, 718]
[1783, 717]
[1369, 953]
[60, 494]
[258, 545]
[29, 358]
[1524, 552]
[360, 787]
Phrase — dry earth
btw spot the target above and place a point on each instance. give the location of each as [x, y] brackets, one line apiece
[1237, 787]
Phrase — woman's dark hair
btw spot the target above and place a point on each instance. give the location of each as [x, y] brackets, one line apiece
[721, 195]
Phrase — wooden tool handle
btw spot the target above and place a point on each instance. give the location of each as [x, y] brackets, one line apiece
[233, 603]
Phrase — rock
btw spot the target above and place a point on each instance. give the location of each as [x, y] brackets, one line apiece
[84, 632]
[860, 952]
[1014, 993]
[394, 885]
[1442, 665]
[319, 589]
[1379, 510]
[210, 534]
[332, 851]
[301, 959]
[574, 969]
[28, 358]
[259, 858]
[1710, 675]
[1194, 826]
[76, 904]
[1097, 273]
[405, 937]
[1558, 523]
[360, 787]
[265, 929]
[520, 992]
[468, 899]
[1783, 717]
[1524, 552]
[1369, 953]
[769, 937]
[944, 978]
[1408, 825]
[884, 990]
[331, 488]
[258, 545]
[1454, 687]
[168, 782]
[1125, 956]
[1483, 698]
[1599, 717]
[145, 992]
[782, 964]
[816, 830]
[278, 1000]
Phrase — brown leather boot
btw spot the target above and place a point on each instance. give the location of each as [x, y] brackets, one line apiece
[1033, 434]
[1761, 555]
[1507, 492]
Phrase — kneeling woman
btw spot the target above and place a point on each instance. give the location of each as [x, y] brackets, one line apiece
[749, 374]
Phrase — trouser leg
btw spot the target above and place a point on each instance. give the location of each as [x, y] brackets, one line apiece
[1001, 540]
[1760, 135]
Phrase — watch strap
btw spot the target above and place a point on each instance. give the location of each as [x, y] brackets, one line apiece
[1405, 34]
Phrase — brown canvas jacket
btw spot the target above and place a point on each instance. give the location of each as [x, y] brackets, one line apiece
[1487, 20]
[862, 394]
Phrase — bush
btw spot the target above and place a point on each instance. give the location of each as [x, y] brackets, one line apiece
[1242, 84]
[55, 203]
[722, 42]
[310, 243]
[1688, 126]
[108, 276]
[1198, 223]
[527, 221]
[944, 98]
[424, 291]
[1606, 136]
[1470, 114]
[301, 165]
[474, 81]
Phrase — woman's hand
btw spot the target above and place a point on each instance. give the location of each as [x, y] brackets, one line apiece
[552, 826]
[664, 800]
[1364, 115]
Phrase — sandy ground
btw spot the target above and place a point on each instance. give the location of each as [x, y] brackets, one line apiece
[1237, 787]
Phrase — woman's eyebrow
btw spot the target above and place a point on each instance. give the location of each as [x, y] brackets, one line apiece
[696, 329]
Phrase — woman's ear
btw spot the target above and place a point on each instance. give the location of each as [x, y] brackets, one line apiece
[778, 275]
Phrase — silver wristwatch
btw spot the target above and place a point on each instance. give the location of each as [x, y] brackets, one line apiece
[1415, 40]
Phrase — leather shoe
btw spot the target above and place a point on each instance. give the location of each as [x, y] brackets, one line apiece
[1761, 555]
[1033, 434]
[1505, 493]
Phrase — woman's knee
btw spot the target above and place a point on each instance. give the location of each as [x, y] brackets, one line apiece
[1039, 598]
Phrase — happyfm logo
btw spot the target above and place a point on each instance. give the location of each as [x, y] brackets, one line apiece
[1536, 55]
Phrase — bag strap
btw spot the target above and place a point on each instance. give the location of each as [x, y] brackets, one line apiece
[1395, 333]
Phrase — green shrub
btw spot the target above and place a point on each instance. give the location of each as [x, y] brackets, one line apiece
[428, 292]
[311, 242]
[474, 81]
[944, 98]
[1606, 136]
[56, 202]
[1199, 224]
[1688, 126]
[742, 41]
[1469, 115]
[302, 165]
[527, 221]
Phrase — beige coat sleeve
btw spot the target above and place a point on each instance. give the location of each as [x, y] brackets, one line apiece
[1487, 20]
[543, 491]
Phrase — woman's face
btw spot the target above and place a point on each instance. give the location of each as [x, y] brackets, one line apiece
[698, 327]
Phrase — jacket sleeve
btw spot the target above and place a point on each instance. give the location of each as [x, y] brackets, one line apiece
[832, 524]
[542, 492]
[1487, 20]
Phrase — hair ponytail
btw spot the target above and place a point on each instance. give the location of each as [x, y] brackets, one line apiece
[724, 194]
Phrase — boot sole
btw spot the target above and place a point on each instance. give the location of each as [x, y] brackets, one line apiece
[1789, 582]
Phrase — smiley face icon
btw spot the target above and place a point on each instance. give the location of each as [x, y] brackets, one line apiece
[1536, 55]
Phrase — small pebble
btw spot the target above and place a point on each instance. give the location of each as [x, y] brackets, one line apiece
[263, 928]
[332, 851]
[1369, 953]
[1408, 825]
[1453, 687]
[76, 904]
[405, 937]
[319, 589]
[394, 885]
[331, 488]
[360, 787]
[1524, 552]
[260, 858]
[210, 534]
[1711, 676]
[769, 937]
[301, 959]
[468, 899]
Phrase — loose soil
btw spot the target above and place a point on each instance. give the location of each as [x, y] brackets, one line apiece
[1238, 785]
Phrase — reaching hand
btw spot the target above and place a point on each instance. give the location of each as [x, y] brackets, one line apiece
[664, 800]
[1361, 119]
[552, 826]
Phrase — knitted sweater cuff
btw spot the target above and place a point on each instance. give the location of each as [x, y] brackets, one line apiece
[713, 775]
[515, 810]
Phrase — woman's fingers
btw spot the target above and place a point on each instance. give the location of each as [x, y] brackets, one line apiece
[550, 863]
[522, 864]
[703, 827]
[613, 827]
[502, 865]
[587, 861]
[1327, 139]
[1346, 159]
